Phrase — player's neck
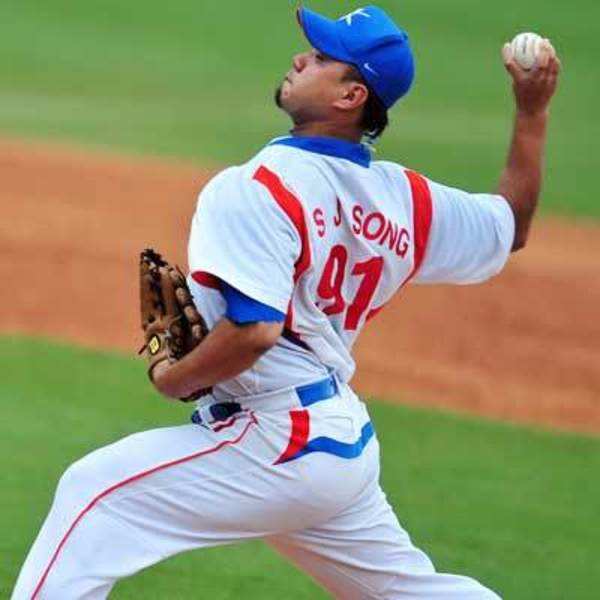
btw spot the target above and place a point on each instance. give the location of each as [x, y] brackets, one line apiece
[325, 129]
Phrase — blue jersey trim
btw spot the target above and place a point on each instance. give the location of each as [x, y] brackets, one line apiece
[341, 449]
[243, 309]
[356, 153]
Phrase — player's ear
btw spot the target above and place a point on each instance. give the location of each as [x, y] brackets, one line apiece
[352, 95]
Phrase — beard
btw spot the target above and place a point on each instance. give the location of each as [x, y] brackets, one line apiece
[277, 96]
[280, 102]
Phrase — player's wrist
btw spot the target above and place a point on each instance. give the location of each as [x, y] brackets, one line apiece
[159, 376]
[531, 124]
[157, 369]
[539, 114]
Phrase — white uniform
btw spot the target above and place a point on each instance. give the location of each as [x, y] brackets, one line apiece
[317, 233]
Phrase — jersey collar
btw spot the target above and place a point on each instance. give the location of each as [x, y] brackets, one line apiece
[356, 153]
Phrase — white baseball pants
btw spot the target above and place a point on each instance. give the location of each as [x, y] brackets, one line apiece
[306, 479]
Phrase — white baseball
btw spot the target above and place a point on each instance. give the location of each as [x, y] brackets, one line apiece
[526, 48]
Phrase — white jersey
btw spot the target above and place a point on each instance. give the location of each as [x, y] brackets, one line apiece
[327, 237]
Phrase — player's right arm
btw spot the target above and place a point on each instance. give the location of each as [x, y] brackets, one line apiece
[521, 179]
[472, 235]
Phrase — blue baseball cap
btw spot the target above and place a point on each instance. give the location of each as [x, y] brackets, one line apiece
[368, 39]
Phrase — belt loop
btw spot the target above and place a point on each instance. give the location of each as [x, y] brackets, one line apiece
[214, 413]
[336, 383]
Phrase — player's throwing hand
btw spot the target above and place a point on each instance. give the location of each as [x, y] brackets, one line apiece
[534, 87]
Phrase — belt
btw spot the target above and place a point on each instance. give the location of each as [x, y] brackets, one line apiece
[315, 392]
[215, 413]
[305, 395]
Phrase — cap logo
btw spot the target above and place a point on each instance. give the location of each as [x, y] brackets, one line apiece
[358, 12]
[369, 68]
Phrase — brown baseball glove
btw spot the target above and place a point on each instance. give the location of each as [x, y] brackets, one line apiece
[172, 325]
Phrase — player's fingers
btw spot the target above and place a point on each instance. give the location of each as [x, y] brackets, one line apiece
[544, 56]
[508, 59]
[548, 56]
[550, 48]
[509, 62]
[553, 60]
[553, 80]
[506, 54]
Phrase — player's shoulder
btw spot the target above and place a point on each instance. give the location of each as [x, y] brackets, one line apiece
[277, 161]
[232, 186]
[394, 176]
[287, 163]
[254, 191]
[223, 179]
[387, 167]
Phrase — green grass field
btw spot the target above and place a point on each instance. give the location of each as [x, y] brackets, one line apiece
[512, 506]
[194, 78]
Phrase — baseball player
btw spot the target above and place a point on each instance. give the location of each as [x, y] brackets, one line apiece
[290, 255]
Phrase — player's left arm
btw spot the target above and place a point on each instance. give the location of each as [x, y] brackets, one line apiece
[228, 350]
[242, 239]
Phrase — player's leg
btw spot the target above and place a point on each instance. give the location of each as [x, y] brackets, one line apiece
[161, 492]
[123, 507]
[363, 552]
[151, 495]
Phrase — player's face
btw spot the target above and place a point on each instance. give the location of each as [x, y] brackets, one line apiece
[311, 87]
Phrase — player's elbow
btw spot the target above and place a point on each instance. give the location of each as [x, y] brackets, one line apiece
[519, 243]
[523, 214]
[521, 236]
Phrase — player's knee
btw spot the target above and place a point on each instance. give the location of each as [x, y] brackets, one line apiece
[76, 480]
[483, 593]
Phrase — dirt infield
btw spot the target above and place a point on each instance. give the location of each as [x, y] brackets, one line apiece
[524, 347]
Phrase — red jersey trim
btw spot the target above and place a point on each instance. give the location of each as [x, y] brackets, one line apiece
[422, 214]
[127, 481]
[206, 279]
[298, 436]
[292, 207]
[231, 421]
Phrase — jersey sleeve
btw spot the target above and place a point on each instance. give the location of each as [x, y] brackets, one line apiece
[242, 309]
[242, 237]
[470, 238]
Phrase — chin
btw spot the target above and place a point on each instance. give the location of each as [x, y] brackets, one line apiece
[277, 96]
[281, 97]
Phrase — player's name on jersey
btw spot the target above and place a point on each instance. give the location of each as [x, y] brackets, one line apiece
[373, 226]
